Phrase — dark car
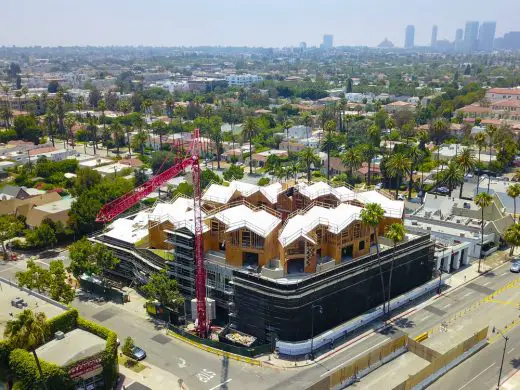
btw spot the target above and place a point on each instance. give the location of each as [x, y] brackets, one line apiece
[138, 353]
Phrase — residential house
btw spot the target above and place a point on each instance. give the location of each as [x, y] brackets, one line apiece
[57, 211]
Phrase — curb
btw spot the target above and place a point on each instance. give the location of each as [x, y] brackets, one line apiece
[218, 352]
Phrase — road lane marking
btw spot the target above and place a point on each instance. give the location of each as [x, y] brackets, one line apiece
[205, 375]
[446, 306]
[467, 294]
[223, 383]
[485, 284]
[476, 376]
[425, 318]
[353, 358]
[511, 350]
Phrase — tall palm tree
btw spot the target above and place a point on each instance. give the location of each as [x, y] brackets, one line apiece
[491, 132]
[480, 140]
[18, 94]
[482, 200]
[7, 109]
[514, 192]
[117, 133]
[307, 158]
[27, 331]
[180, 112]
[287, 124]
[170, 105]
[396, 233]
[329, 143]
[139, 141]
[466, 160]
[60, 112]
[250, 129]
[398, 166]
[369, 151]
[512, 237]
[372, 215]
[452, 176]
[70, 121]
[125, 108]
[415, 155]
[80, 104]
[92, 130]
[352, 158]
[50, 120]
[25, 91]
[307, 122]
[102, 107]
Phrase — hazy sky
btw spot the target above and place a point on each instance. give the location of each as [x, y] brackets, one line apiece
[241, 22]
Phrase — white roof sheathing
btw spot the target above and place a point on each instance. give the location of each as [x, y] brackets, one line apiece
[222, 194]
[129, 230]
[260, 222]
[179, 213]
[393, 208]
[218, 193]
[271, 191]
[335, 219]
[318, 189]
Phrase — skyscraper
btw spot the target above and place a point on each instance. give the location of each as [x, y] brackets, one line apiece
[409, 37]
[328, 41]
[486, 36]
[459, 34]
[435, 30]
[471, 37]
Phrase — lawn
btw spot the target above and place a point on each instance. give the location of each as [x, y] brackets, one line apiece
[132, 364]
[166, 255]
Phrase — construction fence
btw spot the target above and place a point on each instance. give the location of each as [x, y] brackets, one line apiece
[440, 364]
[363, 365]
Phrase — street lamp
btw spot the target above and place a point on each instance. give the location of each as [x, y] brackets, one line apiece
[503, 356]
[320, 309]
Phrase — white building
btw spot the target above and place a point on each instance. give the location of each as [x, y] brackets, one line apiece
[243, 80]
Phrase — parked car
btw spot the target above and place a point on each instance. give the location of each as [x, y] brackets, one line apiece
[18, 302]
[515, 267]
[138, 353]
[379, 186]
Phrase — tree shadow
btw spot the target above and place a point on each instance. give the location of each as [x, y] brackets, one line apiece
[515, 362]
[404, 323]
[388, 330]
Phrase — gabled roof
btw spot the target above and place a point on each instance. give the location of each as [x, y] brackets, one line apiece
[321, 188]
[260, 222]
[393, 208]
[222, 194]
[179, 213]
[336, 220]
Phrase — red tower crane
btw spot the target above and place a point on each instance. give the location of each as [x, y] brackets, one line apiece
[111, 210]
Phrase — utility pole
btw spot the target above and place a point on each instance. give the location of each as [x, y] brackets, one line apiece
[503, 356]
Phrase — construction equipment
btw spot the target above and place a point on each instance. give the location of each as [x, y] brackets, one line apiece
[111, 210]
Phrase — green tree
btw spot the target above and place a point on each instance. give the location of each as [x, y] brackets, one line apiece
[452, 176]
[10, 226]
[352, 158]
[161, 129]
[466, 161]
[372, 215]
[398, 166]
[117, 134]
[513, 191]
[88, 258]
[34, 277]
[329, 142]
[415, 154]
[41, 237]
[491, 132]
[27, 332]
[207, 177]
[128, 346]
[59, 289]
[512, 237]
[307, 158]
[139, 141]
[161, 288]
[250, 130]
[482, 200]
[396, 233]
[369, 152]
[234, 172]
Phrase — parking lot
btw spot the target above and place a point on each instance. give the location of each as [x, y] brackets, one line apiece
[8, 312]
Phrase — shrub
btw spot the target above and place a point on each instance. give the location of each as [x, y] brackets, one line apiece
[5, 351]
[128, 346]
[65, 322]
[263, 181]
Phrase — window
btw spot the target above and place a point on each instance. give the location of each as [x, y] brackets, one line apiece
[357, 230]
[361, 245]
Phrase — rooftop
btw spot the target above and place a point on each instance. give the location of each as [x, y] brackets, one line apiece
[76, 345]
[260, 221]
[57, 206]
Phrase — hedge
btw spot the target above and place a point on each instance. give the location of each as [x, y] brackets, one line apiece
[22, 366]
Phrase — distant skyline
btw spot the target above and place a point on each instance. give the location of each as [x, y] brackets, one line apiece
[268, 23]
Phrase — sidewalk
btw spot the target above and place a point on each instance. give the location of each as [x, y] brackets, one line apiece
[511, 383]
[153, 377]
[458, 279]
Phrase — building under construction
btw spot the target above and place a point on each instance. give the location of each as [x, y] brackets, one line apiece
[273, 253]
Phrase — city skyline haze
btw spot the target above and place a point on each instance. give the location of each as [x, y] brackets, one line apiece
[267, 23]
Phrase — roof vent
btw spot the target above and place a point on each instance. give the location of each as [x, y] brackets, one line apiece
[428, 228]
[462, 235]
[59, 335]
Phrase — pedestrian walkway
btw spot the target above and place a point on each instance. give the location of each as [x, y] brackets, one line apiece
[511, 383]
[153, 377]
[457, 279]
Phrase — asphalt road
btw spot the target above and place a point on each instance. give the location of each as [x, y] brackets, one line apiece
[201, 370]
[480, 372]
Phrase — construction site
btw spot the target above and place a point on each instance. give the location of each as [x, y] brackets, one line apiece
[269, 255]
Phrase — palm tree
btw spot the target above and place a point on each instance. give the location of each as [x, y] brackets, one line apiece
[25, 91]
[482, 200]
[70, 121]
[287, 124]
[466, 161]
[139, 141]
[102, 107]
[329, 143]
[452, 176]
[415, 155]
[117, 133]
[491, 132]
[50, 120]
[7, 114]
[18, 95]
[512, 237]
[514, 192]
[170, 105]
[27, 331]
[369, 151]
[480, 140]
[396, 233]
[92, 130]
[307, 158]
[307, 122]
[125, 108]
[80, 104]
[250, 129]
[352, 158]
[372, 215]
[180, 112]
[398, 166]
